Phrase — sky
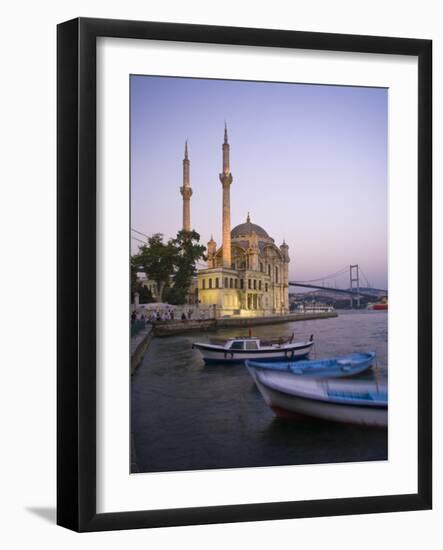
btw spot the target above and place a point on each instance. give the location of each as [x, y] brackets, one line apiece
[309, 163]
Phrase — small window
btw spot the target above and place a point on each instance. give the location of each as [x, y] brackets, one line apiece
[231, 283]
[261, 267]
[276, 274]
[252, 344]
[210, 283]
[237, 345]
[259, 285]
[236, 283]
[266, 287]
[255, 284]
[269, 270]
[226, 282]
[249, 284]
[216, 282]
[241, 283]
[204, 283]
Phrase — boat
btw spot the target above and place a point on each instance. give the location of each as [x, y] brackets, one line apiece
[240, 349]
[314, 307]
[337, 400]
[268, 342]
[336, 367]
[381, 305]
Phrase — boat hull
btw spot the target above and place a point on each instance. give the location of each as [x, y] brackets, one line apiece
[340, 367]
[293, 405]
[212, 355]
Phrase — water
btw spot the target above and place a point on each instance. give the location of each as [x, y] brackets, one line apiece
[190, 416]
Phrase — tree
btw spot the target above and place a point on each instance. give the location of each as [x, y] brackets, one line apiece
[189, 251]
[171, 265]
[157, 260]
[145, 295]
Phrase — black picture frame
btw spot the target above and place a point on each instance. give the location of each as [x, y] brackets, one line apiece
[76, 294]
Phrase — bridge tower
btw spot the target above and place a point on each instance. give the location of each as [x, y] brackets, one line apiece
[354, 282]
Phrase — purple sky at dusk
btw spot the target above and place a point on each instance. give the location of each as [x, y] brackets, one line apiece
[309, 163]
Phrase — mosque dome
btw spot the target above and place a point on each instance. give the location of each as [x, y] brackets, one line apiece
[247, 229]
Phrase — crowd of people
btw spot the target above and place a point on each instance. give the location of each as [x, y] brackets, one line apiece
[168, 314]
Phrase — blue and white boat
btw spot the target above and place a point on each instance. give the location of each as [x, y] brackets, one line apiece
[336, 367]
[333, 399]
[244, 348]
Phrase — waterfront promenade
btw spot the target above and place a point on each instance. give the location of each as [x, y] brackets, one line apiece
[171, 328]
[139, 345]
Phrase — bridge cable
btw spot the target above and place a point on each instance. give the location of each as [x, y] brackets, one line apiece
[343, 270]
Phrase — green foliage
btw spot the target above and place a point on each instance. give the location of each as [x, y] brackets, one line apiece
[171, 265]
[189, 252]
[174, 295]
[156, 259]
[145, 295]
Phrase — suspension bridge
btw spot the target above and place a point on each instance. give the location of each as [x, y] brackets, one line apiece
[355, 291]
[356, 275]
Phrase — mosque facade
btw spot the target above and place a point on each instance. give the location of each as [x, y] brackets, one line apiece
[247, 274]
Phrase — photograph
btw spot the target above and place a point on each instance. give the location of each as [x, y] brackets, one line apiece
[258, 308]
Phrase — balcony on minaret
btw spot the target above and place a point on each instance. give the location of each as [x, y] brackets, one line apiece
[186, 192]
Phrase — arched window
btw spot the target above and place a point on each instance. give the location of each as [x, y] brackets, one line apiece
[276, 274]
[261, 267]
[216, 282]
[204, 283]
[210, 283]
[236, 283]
[226, 282]
[231, 283]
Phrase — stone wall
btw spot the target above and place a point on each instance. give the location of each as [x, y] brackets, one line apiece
[179, 327]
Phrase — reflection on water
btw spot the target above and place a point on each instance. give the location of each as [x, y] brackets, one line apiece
[187, 415]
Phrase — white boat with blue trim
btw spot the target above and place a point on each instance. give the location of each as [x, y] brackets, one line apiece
[240, 349]
[338, 400]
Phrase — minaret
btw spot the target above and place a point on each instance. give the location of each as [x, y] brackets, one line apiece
[212, 249]
[186, 192]
[285, 275]
[285, 251]
[226, 180]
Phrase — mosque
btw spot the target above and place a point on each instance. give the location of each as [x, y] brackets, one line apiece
[248, 274]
